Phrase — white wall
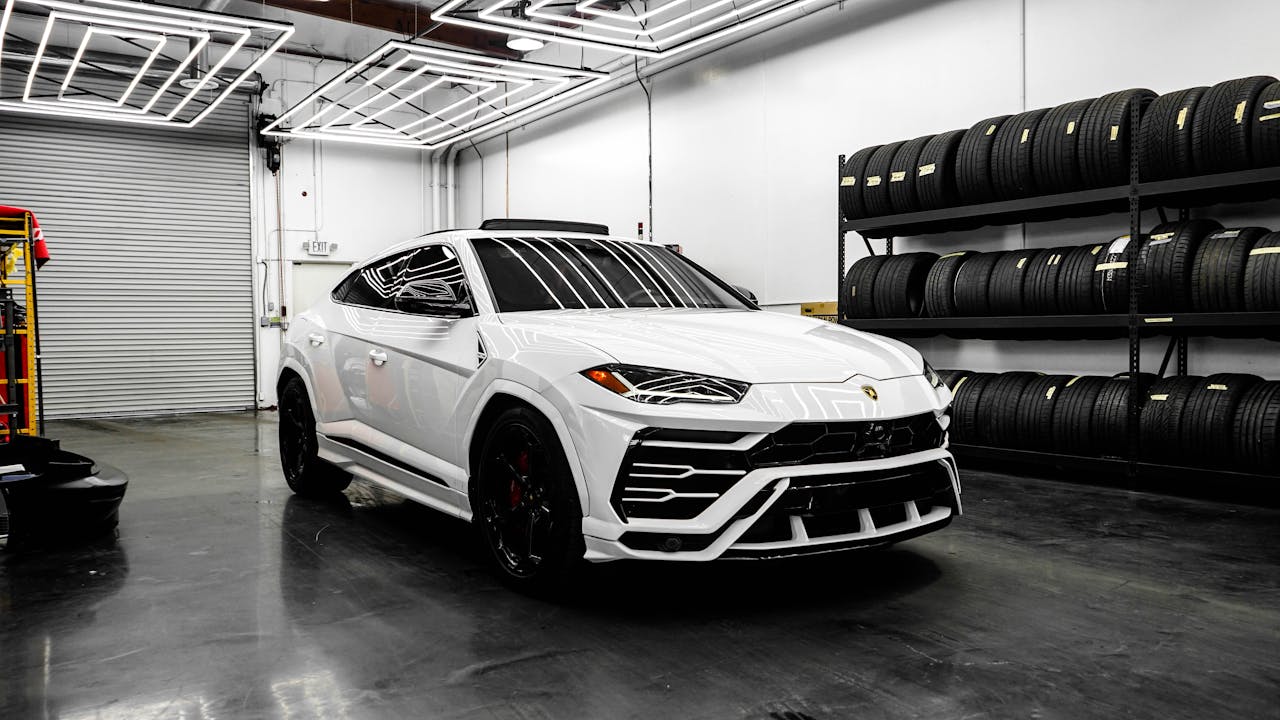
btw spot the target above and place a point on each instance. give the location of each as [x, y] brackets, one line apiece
[745, 139]
[363, 198]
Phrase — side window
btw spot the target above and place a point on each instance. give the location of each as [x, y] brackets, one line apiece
[375, 285]
[438, 263]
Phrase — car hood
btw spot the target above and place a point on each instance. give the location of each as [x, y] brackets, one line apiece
[754, 346]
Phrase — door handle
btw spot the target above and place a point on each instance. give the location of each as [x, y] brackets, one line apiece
[378, 357]
[316, 340]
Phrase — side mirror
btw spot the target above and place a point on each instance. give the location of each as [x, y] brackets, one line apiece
[746, 293]
[433, 297]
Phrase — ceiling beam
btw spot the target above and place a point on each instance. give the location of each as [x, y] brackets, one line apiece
[400, 19]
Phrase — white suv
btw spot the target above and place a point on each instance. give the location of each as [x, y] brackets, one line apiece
[586, 396]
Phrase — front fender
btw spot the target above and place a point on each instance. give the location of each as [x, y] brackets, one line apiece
[564, 429]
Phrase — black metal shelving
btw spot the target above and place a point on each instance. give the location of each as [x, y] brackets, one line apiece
[1197, 191]
[1180, 194]
[1198, 482]
[1077, 327]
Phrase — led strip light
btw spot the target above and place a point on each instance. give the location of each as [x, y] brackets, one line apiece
[408, 95]
[153, 30]
[663, 29]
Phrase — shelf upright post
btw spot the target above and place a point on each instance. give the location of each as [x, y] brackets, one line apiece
[839, 231]
[888, 245]
[1131, 258]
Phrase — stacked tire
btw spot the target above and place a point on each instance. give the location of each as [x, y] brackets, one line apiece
[1228, 421]
[1187, 266]
[1077, 145]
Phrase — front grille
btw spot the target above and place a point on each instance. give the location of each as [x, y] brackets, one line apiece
[828, 505]
[679, 483]
[832, 442]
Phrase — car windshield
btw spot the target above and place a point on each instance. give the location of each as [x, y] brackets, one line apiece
[551, 273]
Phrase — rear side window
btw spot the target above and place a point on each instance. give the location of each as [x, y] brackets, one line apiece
[375, 285]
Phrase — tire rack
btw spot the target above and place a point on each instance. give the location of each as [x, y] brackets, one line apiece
[19, 378]
[1181, 193]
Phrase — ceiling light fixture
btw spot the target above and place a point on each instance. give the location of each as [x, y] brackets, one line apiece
[664, 28]
[525, 44]
[175, 82]
[408, 95]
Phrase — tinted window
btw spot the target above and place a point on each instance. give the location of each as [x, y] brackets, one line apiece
[436, 262]
[547, 273]
[374, 285]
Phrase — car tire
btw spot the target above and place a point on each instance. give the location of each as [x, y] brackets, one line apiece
[1165, 151]
[1217, 276]
[1165, 263]
[858, 293]
[1221, 135]
[523, 483]
[304, 471]
[1205, 434]
[1040, 283]
[972, 281]
[875, 188]
[1054, 158]
[998, 409]
[1011, 156]
[1110, 425]
[1162, 415]
[900, 284]
[936, 171]
[1256, 429]
[967, 397]
[973, 162]
[903, 197]
[1004, 292]
[940, 285]
[1266, 127]
[1073, 414]
[1112, 279]
[1262, 275]
[1103, 145]
[1078, 292]
[1034, 414]
[854, 175]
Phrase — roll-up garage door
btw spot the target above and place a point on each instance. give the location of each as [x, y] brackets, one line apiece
[146, 306]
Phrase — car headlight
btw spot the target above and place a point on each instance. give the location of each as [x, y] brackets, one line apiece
[665, 387]
[932, 375]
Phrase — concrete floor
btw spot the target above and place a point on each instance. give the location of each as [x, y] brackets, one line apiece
[226, 597]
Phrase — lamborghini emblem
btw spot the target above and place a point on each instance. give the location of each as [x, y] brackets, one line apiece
[871, 392]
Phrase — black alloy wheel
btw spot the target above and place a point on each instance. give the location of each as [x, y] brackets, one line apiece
[304, 471]
[525, 503]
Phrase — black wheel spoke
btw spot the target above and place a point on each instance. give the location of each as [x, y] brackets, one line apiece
[516, 516]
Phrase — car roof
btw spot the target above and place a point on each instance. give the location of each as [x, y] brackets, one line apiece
[451, 235]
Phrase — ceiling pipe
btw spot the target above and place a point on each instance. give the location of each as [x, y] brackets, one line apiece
[451, 185]
[622, 72]
[437, 197]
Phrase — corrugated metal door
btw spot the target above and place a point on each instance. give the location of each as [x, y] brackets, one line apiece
[146, 306]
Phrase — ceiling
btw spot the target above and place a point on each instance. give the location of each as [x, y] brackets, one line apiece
[348, 30]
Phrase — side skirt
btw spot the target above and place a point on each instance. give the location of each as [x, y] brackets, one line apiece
[401, 478]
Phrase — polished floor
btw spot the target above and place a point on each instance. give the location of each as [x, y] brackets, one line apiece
[223, 596]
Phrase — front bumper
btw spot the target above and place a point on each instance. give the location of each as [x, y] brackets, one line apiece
[765, 514]
[697, 500]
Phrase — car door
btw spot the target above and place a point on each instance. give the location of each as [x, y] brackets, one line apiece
[353, 319]
[420, 358]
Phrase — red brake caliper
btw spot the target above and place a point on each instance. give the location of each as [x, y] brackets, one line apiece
[522, 466]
